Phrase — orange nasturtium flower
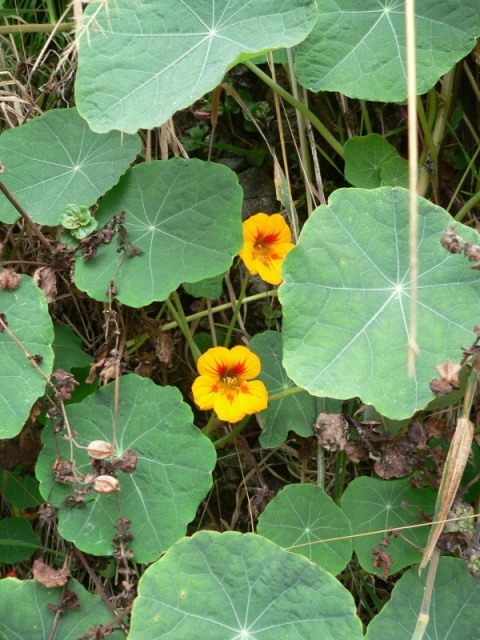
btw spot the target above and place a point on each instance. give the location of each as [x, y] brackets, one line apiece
[225, 383]
[266, 242]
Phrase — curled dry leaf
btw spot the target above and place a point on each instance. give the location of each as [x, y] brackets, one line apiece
[99, 449]
[331, 430]
[45, 278]
[127, 462]
[48, 576]
[9, 280]
[106, 485]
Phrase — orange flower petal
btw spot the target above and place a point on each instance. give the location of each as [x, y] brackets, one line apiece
[274, 235]
[205, 391]
[213, 361]
[246, 363]
[252, 398]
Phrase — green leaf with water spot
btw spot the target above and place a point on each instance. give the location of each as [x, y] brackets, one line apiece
[229, 585]
[55, 160]
[359, 48]
[347, 294]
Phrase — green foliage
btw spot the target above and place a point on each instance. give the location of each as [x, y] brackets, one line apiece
[360, 49]
[172, 54]
[379, 508]
[27, 610]
[17, 540]
[305, 520]
[66, 163]
[189, 233]
[266, 593]
[455, 601]
[126, 466]
[25, 311]
[346, 300]
[174, 461]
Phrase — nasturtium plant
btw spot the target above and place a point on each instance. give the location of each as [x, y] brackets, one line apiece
[296, 412]
[67, 348]
[18, 541]
[55, 160]
[183, 217]
[346, 300]
[25, 311]
[359, 49]
[28, 610]
[78, 221]
[381, 509]
[230, 585]
[364, 158]
[160, 497]
[172, 52]
[304, 519]
[453, 609]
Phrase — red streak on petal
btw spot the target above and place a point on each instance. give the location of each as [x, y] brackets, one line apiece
[270, 238]
[237, 369]
[214, 389]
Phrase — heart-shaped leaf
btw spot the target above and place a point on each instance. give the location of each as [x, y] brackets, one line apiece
[305, 520]
[56, 160]
[230, 586]
[347, 293]
[185, 218]
[160, 496]
[141, 62]
[25, 311]
[359, 48]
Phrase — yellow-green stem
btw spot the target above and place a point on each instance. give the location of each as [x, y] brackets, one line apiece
[179, 315]
[236, 311]
[319, 126]
[233, 433]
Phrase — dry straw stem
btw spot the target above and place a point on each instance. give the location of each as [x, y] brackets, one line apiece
[412, 181]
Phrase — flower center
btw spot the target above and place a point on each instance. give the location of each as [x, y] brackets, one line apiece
[229, 381]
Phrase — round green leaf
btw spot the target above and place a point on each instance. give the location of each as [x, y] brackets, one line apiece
[25, 611]
[25, 311]
[210, 288]
[300, 518]
[394, 173]
[230, 586]
[364, 157]
[18, 541]
[56, 160]
[346, 300]
[184, 216]
[453, 613]
[161, 496]
[297, 412]
[141, 62]
[359, 48]
[385, 505]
